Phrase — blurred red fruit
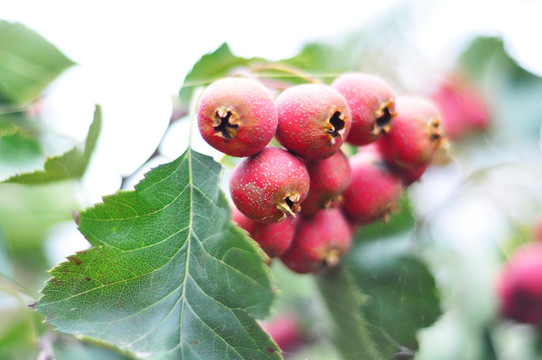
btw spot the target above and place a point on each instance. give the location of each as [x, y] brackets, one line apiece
[285, 331]
[520, 285]
[463, 108]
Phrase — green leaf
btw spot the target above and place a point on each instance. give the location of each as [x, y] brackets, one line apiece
[68, 348]
[28, 63]
[351, 332]
[70, 165]
[169, 276]
[402, 294]
[513, 93]
[20, 149]
[17, 339]
[5, 262]
[211, 67]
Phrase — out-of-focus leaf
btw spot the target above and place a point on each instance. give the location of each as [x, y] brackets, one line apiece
[70, 165]
[169, 275]
[211, 67]
[350, 330]
[401, 291]
[20, 149]
[26, 212]
[17, 341]
[513, 93]
[5, 262]
[28, 63]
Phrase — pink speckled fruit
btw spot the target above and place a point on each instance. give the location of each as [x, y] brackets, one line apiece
[519, 285]
[415, 136]
[319, 242]
[314, 120]
[273, 238]
[269, 186]
[329, 178]
[237, 116]
[371, 103]
[373, 191]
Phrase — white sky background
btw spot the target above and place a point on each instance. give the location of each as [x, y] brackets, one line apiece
[133, 55]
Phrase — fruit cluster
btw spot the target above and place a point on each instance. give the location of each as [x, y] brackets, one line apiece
[393, 138]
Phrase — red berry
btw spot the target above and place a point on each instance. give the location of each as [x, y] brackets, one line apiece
[415, 135]
[520, 285]
[313, 120]
[270, 185]
[328, 179]
[373, 191]
[319, 242]
[285, 330]
[371, 103]
[273, 238]
[237, 116]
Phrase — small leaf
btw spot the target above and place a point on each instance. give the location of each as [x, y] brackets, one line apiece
[169, 276]
[211, 67]
[70, 165]
[402, 294]
[28, 63]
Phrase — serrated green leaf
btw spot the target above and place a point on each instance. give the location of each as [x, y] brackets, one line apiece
[211, 67]
[28, 63]
[169, 276]
[70, 165]
[402, 294]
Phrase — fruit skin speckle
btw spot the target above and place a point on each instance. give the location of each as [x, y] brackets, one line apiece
[314, 120]
[269, 186]
[237, 116]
